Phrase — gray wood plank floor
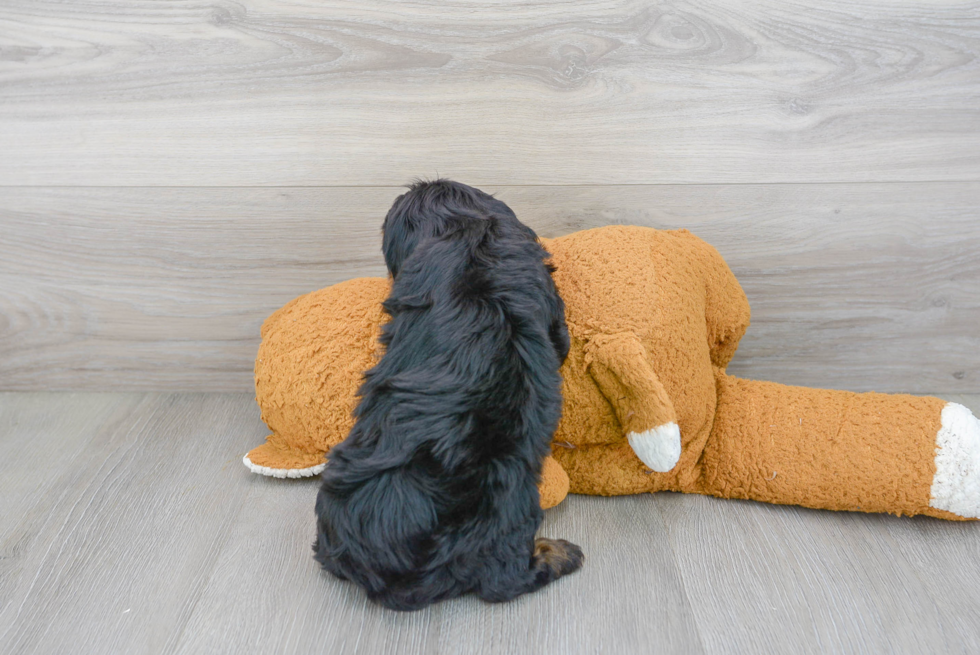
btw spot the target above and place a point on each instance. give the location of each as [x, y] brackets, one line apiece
[128, 525]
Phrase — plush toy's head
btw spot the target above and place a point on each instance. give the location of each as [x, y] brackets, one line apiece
[313, 354]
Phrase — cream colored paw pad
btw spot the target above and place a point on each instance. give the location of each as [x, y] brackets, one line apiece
[283, 473]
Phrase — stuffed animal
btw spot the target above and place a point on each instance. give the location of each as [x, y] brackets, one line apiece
[654, 318]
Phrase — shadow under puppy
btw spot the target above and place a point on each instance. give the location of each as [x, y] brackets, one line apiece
[434, 492]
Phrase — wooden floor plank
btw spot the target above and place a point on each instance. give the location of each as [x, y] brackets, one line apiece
[945, 556]
[40, 441]
[282, 92]
[780, 579]
[766, 578]
[266, 591]
[46, 443]
[629, 574]
[121, 570]
[868, 286]
[151, 512]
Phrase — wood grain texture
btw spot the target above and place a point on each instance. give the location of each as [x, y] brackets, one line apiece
[154, 539]
[267, 580]
[935, 550]
[861, 286]
[823, 582]
[45, 447]
[291, 92]
[135, 529]
[765, 578]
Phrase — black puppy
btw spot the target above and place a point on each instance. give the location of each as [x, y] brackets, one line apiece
[434, 492]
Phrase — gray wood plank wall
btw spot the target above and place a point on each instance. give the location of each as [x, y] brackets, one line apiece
[170, 174]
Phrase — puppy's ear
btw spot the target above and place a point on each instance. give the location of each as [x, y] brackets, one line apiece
[398, 239]
[413, 216]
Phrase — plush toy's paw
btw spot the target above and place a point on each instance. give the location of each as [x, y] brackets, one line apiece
[307, 472]
[279, 462]
[956, 484]
[659, 448]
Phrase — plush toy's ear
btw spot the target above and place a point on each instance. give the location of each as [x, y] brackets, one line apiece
[554, 483]
[619, 365]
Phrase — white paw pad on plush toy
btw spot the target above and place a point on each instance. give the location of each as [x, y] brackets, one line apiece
[658, 448]
[956, 484]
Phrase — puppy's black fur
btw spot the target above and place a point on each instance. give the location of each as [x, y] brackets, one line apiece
[434, 492]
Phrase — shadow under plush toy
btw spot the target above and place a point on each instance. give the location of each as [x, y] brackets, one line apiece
[654, 318]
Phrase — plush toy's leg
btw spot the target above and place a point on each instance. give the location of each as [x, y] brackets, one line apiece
[839, 450]
[604, 469]
[553, 487]
[619, 365]
[277, 459]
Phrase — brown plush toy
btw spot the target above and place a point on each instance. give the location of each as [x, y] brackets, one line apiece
[654, 318]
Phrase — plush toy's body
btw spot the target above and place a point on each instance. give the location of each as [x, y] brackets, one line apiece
[654, 318]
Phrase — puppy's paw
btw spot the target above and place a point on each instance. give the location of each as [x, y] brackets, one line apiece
[560, 557]
[659, 448]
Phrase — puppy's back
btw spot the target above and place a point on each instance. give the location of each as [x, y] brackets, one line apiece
[434, 492]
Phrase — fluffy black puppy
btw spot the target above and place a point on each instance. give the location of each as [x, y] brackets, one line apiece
[434, 492]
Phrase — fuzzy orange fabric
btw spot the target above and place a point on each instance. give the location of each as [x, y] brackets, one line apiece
[654, 318]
